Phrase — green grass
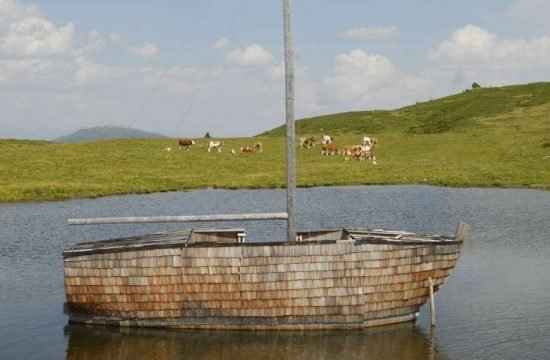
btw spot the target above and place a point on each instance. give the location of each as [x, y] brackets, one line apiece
[498, 137]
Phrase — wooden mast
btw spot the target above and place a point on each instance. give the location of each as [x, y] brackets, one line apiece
[290, 133]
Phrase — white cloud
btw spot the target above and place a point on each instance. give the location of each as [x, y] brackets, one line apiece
[147, 50]
[17, 70]
[370, 32]
[356, 73]
[470, 42]
[95, 43]
[221, 43]
[89, 72]
[475, 47]
[277, 71]
[33, 36]
[251, 55]
[115, 37]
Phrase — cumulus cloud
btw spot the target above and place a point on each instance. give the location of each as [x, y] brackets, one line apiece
[33, 36]
[250, 56]
[370, 32]
[147, 50]
[18, 70]
[354, 74]
[474, 46]
[95, 42]
[88, 72]
[221, 43]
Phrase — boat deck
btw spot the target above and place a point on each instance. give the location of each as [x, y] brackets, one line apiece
[236, 237]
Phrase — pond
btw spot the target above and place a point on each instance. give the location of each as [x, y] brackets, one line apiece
[495, 304]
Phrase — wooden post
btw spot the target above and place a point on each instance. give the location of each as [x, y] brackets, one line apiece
[290, 133]
[432, 302]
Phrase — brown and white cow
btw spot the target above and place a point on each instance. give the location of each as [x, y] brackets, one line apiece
[215, 145]
[369, 155]
[259, 146]
[326, 139]
[329, 149]
[352, 148]
[352, 151]
[367, 141]
[186, 143]
[307, 142]
[247, 149]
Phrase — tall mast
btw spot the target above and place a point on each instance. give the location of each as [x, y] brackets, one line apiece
[290, 148]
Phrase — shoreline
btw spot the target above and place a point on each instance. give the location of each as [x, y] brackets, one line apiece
[537, 187]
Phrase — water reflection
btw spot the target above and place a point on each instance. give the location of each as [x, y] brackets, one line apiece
[402, 341]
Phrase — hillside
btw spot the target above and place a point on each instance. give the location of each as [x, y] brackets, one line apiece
[521, 107]
[106, 132]
[497, 137]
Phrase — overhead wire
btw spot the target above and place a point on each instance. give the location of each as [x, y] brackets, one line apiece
[210, 67]
[170, 64]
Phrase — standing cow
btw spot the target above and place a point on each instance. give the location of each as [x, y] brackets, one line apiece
[329, 149]
[186, 143]
[215, 145]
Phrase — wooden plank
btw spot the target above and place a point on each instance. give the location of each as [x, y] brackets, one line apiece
[462, 231]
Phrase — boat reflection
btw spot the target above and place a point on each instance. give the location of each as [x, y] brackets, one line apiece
[401, 341]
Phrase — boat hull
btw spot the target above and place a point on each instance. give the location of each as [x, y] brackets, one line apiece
[305, 285]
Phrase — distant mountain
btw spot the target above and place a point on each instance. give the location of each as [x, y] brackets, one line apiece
[106, 132]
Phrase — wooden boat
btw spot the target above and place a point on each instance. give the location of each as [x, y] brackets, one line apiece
[215, 279]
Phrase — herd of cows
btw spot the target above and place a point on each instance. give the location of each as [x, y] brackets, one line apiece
[359, 152]
[363, 151]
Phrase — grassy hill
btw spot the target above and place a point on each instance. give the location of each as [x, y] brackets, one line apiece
[495, 137]
[510, 107]
[107, 132]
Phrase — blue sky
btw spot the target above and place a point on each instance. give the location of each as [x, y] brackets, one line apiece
[183, 68]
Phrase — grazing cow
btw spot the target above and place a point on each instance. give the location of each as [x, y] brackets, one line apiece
[307, 142]
[215, 145]
[329, 149]
[369, 155]
[167, 148]
[353, 151]
[326, 139]
[258, 146]
[351, 148]
[247, 149]
[367, 141]
[374, 141]
[186, 143]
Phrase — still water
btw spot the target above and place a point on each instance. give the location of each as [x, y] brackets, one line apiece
[496, 304]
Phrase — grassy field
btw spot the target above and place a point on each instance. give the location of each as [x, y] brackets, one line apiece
[496, 137]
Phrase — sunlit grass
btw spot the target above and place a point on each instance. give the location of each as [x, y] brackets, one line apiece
[489, 138]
